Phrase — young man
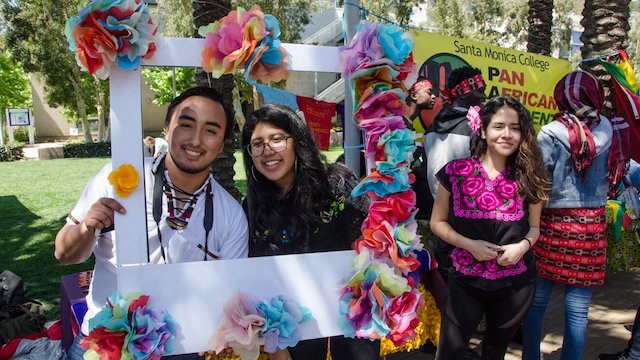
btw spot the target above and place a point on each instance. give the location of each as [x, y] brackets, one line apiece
[421, 97]
[197, 124]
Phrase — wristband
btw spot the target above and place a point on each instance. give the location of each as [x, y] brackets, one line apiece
[529, 242]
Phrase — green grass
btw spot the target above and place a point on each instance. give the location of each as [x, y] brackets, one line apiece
[35, 198]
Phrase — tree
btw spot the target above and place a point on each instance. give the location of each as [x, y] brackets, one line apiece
[448, 17]
[605, 29]
[292, 15]
[15, 91]
[399, 11]
[175, 17]
[205, 13]
[563, 25]
[540, 19]
[35, 36]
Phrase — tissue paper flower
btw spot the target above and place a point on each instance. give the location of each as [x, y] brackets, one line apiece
[408, 240]
[282, 318]
[248, 324]
[362, 51]
[381, 242]
[474, 120]
[240, 327]
[369, 81]
[403, 316]
[375, 127]
[112, 31]
[396, 146]
[387, 179]
[396, 44]
[230, 41]
[366, 296]
[394, 208]
[127, 328]
[380, 104]
[269, 61]
[124, 179]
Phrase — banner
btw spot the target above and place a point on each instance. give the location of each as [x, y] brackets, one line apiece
[529, 77]
[318, 116]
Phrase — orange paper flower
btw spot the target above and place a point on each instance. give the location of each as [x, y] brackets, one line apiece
[125, 179]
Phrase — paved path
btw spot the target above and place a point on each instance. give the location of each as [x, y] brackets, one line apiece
[613, 306]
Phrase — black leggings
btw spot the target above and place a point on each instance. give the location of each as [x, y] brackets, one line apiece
[504, 309]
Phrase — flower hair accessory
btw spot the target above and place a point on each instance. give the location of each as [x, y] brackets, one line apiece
[248, 39]
[474, 120]
[107, 32]
[125, 180]
[127, 328]
[247, 325]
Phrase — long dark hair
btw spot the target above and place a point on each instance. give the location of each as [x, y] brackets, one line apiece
[526, 162]
[268, 211]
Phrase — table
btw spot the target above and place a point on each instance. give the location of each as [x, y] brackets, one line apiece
[73, 289]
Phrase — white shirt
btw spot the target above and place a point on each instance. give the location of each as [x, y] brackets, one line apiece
[228, 238]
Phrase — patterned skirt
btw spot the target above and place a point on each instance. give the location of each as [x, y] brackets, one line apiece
[572, 246]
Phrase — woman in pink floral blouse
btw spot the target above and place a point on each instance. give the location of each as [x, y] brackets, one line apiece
[487, 208]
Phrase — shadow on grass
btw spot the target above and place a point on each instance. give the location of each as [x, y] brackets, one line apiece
[33, 259]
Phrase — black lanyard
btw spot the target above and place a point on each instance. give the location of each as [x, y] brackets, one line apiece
[157, 210]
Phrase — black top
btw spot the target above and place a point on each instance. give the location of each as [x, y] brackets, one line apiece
[337, 228]
[485, 209]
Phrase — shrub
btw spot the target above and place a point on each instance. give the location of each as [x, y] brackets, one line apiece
[11, 152]
[86, 150]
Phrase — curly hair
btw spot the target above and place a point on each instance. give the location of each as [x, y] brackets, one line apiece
[526, 163]
[299, 209]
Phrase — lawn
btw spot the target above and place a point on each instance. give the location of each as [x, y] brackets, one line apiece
[35, 198]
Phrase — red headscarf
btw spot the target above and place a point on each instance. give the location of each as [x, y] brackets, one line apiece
[580, 97]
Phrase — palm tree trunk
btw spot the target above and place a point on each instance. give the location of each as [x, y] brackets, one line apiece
[222, 168]
[540, 19]
[606, 26]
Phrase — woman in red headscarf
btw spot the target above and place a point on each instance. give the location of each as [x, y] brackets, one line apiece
[585, 158]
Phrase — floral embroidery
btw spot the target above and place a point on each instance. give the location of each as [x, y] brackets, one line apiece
[466, 264]
[476, 196]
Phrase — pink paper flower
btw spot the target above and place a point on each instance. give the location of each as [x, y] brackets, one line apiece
[240, 327]
[230, 41]
[488, 201]
[393, 208]
[402, 316]
[474, 119]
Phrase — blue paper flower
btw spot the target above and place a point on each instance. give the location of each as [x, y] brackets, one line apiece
[399, 145]
[396, 43]
[282, 317]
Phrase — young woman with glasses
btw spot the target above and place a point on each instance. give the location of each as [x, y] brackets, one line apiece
[296, 203]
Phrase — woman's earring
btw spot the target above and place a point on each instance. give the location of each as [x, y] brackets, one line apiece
[295, 165]
[253, 173]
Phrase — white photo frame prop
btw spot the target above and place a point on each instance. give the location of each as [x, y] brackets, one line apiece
[194, 293]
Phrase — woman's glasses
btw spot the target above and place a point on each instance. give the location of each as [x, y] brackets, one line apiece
[276, 144]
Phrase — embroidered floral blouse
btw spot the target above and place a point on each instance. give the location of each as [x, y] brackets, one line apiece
[486, 209]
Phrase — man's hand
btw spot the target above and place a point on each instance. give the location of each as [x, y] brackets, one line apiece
[74, 243]
[100, 215]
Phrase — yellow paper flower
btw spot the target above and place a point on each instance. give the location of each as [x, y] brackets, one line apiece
[125, 179]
